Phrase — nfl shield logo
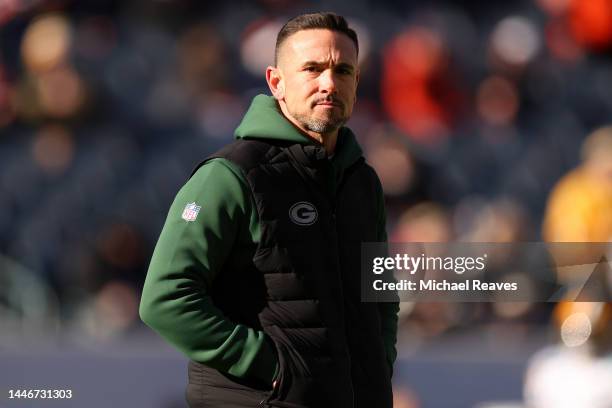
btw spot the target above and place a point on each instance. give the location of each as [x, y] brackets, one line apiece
[190, 213]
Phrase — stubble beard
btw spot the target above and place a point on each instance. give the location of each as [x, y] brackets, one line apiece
[323, 126]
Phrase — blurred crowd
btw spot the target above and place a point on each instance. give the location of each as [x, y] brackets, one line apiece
[487, 121]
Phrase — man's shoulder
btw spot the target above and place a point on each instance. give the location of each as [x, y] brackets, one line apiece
[246, 154]
[242, 150]
[218, 169]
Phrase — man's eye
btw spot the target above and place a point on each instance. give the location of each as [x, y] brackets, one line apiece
[310, 69]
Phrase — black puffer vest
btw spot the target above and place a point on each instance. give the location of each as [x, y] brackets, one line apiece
[303, 285]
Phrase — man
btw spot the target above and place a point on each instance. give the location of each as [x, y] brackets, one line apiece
[579, 208]
[256, 274]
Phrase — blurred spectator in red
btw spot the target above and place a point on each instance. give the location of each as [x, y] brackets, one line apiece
[419, 91]
[591, 22]
[577, 24]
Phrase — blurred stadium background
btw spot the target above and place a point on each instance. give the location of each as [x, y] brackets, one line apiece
[486, 120]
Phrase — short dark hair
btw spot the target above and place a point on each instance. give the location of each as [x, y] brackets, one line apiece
[313, 21]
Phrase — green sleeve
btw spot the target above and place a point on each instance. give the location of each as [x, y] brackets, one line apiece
[176, 300]
[388, 310]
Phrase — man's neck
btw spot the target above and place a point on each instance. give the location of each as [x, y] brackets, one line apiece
[328, 141]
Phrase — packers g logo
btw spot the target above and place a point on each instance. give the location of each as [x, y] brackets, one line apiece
[303, 213]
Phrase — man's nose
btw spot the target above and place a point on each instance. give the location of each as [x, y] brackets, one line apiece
[327, 82]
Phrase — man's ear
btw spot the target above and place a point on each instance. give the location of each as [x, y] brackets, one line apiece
[275, 81]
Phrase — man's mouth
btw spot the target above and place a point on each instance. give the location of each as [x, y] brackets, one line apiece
[328, 103]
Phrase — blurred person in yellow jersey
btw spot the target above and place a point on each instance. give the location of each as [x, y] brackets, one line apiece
[580, 206]
[577, 372]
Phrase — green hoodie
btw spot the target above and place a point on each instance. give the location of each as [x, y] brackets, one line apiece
[175, 299]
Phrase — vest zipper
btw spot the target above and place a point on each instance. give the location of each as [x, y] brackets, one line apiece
[275, 387]
[332, 200]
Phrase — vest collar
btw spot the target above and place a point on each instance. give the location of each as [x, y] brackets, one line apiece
[308, 155]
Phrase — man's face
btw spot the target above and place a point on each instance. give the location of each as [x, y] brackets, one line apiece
[318, 79]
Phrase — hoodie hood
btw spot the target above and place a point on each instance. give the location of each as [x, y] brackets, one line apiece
[264, 120]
